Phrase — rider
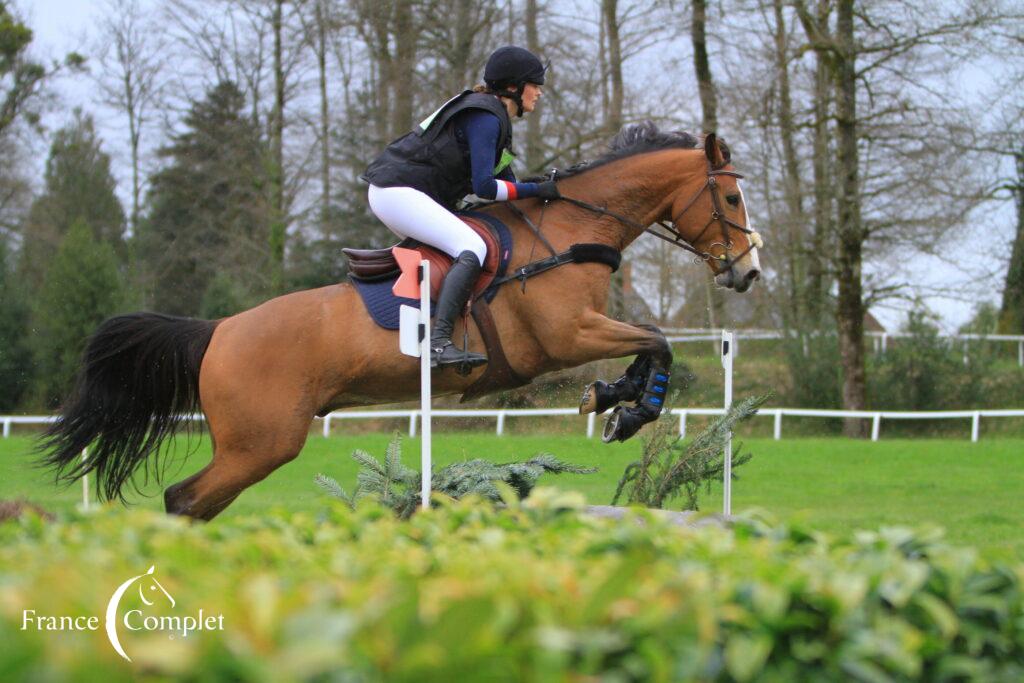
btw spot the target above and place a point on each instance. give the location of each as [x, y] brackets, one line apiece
[463, 147]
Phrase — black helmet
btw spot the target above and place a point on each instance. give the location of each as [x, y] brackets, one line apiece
[511, 65]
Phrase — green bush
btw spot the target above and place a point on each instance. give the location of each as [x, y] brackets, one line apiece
[926, 372]
[537, 591]
[814, 368]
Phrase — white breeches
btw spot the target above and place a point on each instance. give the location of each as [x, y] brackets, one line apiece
[411, 213]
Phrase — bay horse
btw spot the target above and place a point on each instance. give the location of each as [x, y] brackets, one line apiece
[262, 375]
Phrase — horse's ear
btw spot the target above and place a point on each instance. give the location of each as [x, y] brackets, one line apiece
[713, 151]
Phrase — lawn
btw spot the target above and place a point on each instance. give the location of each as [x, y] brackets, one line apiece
[973, 490]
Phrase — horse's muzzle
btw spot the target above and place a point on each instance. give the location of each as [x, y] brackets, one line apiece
[730, 279]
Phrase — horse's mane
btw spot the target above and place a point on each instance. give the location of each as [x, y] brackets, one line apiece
[638, 138]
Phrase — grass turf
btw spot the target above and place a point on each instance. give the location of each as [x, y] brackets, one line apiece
[971, 489]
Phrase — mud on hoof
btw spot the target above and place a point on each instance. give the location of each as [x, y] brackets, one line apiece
[598, 397]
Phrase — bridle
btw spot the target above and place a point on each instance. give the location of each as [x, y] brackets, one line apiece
[724, 261]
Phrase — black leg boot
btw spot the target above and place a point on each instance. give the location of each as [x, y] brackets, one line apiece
[455, 292]
[626, 421]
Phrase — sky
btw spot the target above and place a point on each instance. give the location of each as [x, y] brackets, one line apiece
[61, 26]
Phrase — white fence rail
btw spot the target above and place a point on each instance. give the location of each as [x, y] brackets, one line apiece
[879, 340]
[500, 415]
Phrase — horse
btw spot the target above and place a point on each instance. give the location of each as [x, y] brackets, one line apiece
[261, 376]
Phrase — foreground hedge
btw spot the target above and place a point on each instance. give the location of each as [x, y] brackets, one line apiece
[536, 592]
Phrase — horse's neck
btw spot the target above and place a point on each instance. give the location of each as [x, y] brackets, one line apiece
[639, 188]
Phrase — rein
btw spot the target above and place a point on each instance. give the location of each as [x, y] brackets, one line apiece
[676, 238]
[600, 253]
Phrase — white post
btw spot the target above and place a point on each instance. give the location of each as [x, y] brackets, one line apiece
[591, 419]
[1020, 353]
[85, 482]
[975, 425]
[327, 425]
[425, 464]
[778, 424]
[885, 339]
[7, 428]
[727, 355]
[412, 425]
[682, 424]
[876, 425]
[500, 429]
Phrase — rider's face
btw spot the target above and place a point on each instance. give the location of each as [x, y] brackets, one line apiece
[531, 93]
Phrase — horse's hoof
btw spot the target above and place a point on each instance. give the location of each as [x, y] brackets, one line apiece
[597, 398]
[588, 402]
[624, 422]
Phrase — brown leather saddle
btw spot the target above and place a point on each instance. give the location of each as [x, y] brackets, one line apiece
[380, 264]
[375, 265]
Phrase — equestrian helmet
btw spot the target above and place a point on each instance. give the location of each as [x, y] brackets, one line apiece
[512, 65]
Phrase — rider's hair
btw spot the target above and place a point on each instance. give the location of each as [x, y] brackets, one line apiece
[480, 87]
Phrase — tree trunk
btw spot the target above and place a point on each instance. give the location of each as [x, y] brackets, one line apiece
[705, 86]
[134, 135]
[613, 122]
[795, 221]
[325, 142]
[610, 14]
[403, 73]
[534, 150]
[819, 255]
[277, 220]
[1011, 317]
[850, 309]
[709, 124]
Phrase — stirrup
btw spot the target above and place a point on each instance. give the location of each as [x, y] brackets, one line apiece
[447, 354]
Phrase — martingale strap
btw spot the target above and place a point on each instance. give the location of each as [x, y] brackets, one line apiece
[577, 253]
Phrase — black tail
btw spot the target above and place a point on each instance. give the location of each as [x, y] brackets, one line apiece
[139, 377]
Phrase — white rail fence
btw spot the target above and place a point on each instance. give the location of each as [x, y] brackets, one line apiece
[879, 340]
[500, 416]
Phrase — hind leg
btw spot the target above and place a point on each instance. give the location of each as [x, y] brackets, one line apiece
[208, 492]
[248, 446]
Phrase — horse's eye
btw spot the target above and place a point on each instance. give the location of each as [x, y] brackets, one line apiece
[733, 199]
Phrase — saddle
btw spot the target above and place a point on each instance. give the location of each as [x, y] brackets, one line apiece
[375, 265]
[376, 272]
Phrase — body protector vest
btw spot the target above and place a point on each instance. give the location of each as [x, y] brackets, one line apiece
[430, 158]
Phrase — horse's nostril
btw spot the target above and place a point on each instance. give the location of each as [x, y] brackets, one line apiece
[753, 275]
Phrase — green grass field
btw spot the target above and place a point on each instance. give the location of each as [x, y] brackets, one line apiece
[973, 490]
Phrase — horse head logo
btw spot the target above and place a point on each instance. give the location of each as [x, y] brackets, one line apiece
[149, 590]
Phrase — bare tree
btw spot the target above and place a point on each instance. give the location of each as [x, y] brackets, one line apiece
[856, 50]
[132, 57]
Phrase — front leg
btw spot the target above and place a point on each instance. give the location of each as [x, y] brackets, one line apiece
[645, 382]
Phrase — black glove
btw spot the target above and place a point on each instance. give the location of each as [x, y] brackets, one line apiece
[548, 190]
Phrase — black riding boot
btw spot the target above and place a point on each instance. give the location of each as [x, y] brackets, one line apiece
[455, 291]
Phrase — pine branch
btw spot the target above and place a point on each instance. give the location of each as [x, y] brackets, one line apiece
[397, 487]
[334, 489]
[668, 468]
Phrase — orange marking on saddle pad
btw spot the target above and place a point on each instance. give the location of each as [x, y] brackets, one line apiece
[408, 283]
